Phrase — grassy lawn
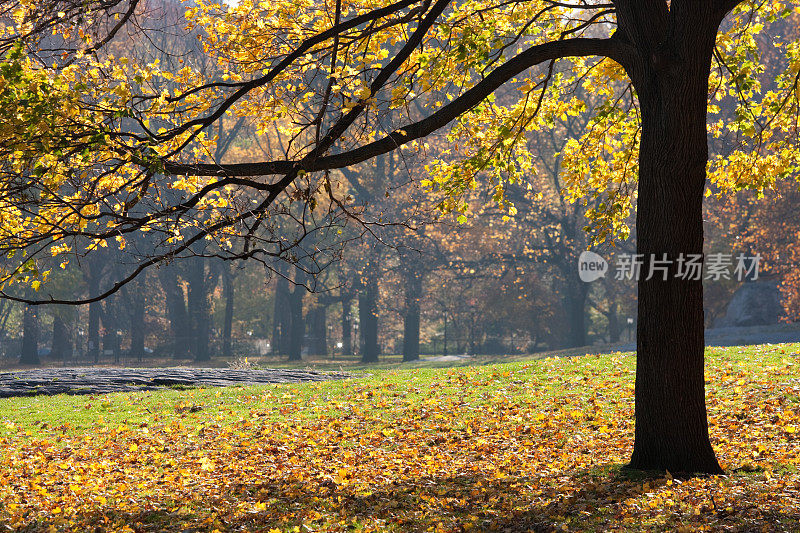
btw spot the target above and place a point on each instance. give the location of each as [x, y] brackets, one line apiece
[526, 445]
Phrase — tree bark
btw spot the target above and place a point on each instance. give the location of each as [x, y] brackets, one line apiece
[368, 317]
[411, 319]
[30, 336]
[671, 424]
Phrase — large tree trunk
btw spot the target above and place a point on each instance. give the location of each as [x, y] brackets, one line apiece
[368, 317]
[671, 425]
[30, 336]
[411, 317]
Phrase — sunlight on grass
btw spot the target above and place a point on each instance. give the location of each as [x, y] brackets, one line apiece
[525, 445]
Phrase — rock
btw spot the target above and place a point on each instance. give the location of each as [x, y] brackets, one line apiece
[49, 381]
[755, 303]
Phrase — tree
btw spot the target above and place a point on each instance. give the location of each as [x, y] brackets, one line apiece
[29, 352]
[770, 226]
[74, 167]
[413, 278]
[228, 289]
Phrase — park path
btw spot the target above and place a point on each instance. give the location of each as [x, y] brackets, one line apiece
[49, 381]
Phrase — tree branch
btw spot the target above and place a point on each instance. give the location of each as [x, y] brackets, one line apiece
[578, 47]
[305, 46]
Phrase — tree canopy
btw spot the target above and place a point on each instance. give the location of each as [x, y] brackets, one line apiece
[98, 144]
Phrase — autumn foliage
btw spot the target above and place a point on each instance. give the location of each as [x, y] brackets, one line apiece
[524, 446]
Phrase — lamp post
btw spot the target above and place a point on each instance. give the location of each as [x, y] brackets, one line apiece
[630, 329]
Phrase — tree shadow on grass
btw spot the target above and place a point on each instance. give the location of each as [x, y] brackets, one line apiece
[597, 499]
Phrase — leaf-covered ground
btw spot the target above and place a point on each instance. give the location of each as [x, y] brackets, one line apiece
[523, 446]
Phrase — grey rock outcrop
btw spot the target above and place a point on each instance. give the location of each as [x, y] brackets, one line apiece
[755, 303]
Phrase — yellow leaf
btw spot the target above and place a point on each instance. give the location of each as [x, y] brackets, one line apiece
[365, 93]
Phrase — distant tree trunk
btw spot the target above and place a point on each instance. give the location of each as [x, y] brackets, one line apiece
[411, 319]
[444, 335]
[93, 275]
[671, 423]
[368, 317]
[61, 348]
[137, 326]
[30, 336]
[575, 305]
[460, 345]
[473, 344]
[347, 334]
[613, 323]
[198, 310]
[227, 328]
[296, 324]
[176, 310]
[110, 320]
[281, 316]
[318, 325]
[93, 346]
[6, 306]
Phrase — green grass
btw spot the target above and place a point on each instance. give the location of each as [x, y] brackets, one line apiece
[527, 379]
[527, 444]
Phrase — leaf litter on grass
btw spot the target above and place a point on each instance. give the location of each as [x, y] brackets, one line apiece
[532, 446]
